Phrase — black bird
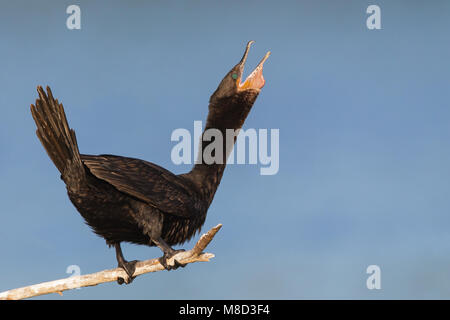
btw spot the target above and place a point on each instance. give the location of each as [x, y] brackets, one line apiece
[132, 200]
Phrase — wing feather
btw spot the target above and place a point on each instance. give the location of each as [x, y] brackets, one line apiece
[146, 181]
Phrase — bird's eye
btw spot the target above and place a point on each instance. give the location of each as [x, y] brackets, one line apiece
[234, 76]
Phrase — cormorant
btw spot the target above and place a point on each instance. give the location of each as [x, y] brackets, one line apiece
[132, 200]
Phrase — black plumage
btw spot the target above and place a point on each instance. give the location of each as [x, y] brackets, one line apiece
[132, 200]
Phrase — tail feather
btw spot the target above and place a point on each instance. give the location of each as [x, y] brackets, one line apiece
[56, 136]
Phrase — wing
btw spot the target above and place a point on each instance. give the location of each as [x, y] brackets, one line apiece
[146, 181]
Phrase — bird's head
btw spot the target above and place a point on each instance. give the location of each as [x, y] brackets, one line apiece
[234, 96]
[232, 83]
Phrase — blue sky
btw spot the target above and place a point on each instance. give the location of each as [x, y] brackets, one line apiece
[364, 133]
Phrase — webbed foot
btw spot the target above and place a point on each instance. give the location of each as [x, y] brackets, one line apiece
[129, 267]
[163, 260]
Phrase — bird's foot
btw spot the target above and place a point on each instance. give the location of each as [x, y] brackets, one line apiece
[167, 255]
[129, 267]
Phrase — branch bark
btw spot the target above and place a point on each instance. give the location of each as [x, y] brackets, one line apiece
[196, 254]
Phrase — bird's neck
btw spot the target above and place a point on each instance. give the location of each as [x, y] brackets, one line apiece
[206, 175]
[207, 178]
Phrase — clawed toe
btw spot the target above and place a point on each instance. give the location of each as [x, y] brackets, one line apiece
[178, 264]
[129, 267]
[163, 260]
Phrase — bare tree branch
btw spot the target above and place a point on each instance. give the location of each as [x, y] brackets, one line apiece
[58, 286]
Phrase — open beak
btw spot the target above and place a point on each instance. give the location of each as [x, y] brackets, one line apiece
[255, 80]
